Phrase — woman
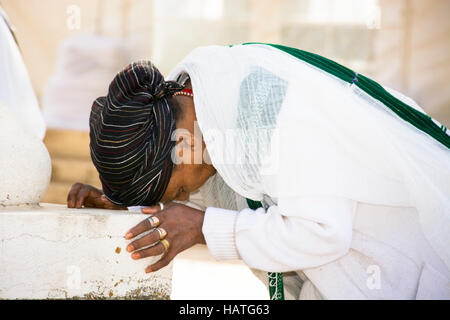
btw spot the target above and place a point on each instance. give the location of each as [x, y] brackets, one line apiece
[353, 178]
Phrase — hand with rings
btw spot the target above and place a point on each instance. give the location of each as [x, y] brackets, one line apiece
[173, 227]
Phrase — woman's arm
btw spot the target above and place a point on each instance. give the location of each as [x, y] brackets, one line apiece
[297, 233]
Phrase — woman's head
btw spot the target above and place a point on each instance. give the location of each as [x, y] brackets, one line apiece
[190, 171]
[131, 132]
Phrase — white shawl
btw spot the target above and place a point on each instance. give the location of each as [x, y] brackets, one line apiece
[275, 125]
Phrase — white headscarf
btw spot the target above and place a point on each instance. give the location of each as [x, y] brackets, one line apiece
[290, 128]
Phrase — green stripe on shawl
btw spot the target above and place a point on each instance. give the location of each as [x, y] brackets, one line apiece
[276, 287]
[418, 119]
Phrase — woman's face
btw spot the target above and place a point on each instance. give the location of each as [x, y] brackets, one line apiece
[185, 179]
[187, 176]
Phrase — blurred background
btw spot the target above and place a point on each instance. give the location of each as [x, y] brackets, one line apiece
[73, 48]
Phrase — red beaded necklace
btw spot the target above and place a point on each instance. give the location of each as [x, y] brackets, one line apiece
[184, 92]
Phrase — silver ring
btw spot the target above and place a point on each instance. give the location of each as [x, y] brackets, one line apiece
[154, 221]
[162, 233]
[161, 205]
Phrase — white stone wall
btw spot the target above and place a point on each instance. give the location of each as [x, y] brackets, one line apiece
[25, 166]
[50, 251]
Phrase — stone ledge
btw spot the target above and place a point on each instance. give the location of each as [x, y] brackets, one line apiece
[52, 252]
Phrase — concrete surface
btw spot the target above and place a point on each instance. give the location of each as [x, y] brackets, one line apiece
[52, 252]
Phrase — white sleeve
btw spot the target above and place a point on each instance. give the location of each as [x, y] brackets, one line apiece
[297, 233]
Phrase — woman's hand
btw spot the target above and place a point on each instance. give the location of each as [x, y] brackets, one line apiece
[180, 226]
[85, 195]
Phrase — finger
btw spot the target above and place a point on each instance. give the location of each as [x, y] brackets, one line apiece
[107, 204]
[142, 227]
[71, 197]
[155, 250]
[93, 201]
[156, 208]
[82, 195]
[164, 261]
[146, 240]
[151, 210]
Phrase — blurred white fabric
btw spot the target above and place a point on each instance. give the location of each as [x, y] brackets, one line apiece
[85, 66]
[15, 85]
